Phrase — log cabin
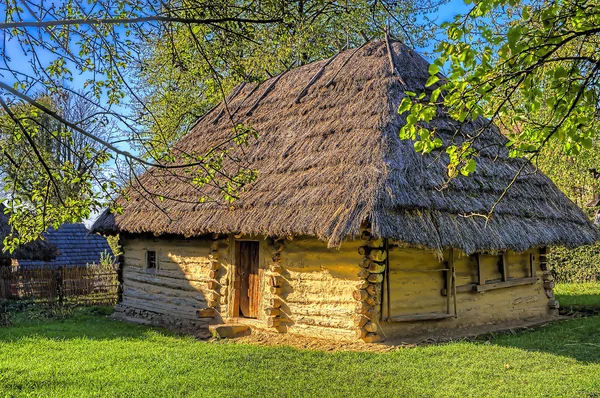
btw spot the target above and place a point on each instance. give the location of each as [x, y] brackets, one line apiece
[347, 232]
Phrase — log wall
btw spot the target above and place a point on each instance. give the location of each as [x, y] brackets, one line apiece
[305, 287]
[185, 281]
[318, 284]
[308, 289]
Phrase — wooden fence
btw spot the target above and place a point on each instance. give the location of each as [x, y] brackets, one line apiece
[96, 284]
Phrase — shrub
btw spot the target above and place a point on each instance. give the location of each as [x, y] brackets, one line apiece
[575, 265]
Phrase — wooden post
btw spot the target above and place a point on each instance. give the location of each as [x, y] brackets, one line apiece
[120, 265]
[448, 284]
[387, 278]
[59, 284]
[531, 265]
[480, 275]
[453, 269]
[504, 266]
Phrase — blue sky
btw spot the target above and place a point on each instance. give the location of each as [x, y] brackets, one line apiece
[446, 13]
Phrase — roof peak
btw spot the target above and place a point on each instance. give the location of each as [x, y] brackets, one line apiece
[329, 157]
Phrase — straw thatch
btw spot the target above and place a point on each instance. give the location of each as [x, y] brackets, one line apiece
[37, 250]
[333, 159]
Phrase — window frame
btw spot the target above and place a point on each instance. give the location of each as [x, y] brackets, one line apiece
[147, 260]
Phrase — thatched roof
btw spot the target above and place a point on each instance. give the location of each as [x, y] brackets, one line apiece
[334, 160]
[37, 250]
[78, 247]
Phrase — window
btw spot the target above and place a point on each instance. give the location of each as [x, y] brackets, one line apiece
[151, 259]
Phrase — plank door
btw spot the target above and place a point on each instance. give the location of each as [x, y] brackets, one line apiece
[247, 274]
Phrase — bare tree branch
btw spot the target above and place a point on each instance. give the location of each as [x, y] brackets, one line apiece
[122, 21]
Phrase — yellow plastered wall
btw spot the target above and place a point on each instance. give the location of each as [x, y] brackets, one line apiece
[318, 284]
[421, 292]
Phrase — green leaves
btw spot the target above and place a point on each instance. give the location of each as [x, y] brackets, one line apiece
[434, 69]
[514, 35]
[469, 167]
[432, 80]
[405, 105]
[532, 69]
[49, 173]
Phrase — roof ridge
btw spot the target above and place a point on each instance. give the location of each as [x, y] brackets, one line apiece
[349, 165]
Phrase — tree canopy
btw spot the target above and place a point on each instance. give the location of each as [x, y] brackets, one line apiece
[532, 68]
[184, 76]
[144, 71]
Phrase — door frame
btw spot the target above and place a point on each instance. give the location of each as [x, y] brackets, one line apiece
[234, 292]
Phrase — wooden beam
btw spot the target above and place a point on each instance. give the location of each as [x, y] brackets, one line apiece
[461, 289]
[315, 77]
[390, 55]
[420, 317]
[330, 82]
[480, 275]
[422, 270]
[505, 275]
[264, 94]
[508, 283]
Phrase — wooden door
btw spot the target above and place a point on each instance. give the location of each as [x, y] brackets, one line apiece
[247, 275]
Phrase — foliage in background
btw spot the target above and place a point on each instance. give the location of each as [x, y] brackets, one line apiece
[113, 242]
[107, 259]
[183, 77]
[151, 68]
[530, 67]
[47, 167]
[575, 265]
[70, 46]
[573, 176]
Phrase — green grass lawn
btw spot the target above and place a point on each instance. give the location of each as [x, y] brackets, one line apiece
[91, 355]
[578, 294]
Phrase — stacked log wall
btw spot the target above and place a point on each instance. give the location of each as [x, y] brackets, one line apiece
[185, 286]
[308, 289]
[317, 296]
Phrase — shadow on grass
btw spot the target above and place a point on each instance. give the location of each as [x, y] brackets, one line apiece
[582, 301]
[577, 338]
[85, 323]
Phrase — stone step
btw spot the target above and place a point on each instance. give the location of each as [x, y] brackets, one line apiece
[229, 331]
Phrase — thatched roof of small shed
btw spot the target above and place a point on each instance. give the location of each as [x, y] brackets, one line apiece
[334, 159]
[37, 250]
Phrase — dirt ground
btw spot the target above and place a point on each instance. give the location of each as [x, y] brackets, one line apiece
[268, 338]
